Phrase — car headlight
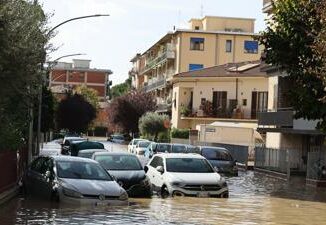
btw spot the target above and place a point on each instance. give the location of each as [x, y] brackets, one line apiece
[123, 196]
[71, 193]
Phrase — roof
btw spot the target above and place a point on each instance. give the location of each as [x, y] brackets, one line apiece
[179, 155]
[72, 158]
[243, 69]
[217, 32]
[222, 17]
[114, 153]
[84, 70]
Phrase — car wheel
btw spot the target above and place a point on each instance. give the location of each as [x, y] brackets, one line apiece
[164, 192]
[225, 195]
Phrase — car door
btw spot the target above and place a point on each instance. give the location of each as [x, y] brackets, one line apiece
[47, 178]
[32, 176]
[130, 146]
[154, 175]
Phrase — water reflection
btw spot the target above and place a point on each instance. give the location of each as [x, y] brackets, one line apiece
[254, 199]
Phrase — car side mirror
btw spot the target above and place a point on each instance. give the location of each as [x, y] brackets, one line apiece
[160, 169]
[145, 169]
[114, 178]
[49, 175]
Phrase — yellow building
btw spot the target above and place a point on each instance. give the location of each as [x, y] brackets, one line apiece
[232, 92]
[208, 42]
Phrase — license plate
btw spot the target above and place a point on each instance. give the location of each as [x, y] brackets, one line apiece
[101, 204]
[202, 194]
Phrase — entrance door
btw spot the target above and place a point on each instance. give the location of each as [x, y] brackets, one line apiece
[259, 101]
[219, 103]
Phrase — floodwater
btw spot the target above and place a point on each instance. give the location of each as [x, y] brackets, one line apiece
[254, 199]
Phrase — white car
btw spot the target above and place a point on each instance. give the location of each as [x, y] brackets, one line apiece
[179, 174]
[141, 147]
[133, 143]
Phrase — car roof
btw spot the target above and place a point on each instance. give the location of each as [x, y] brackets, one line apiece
[91, 150]
[139, 139]
[62, 158]
[113, 153]
[180, 155]
[213, 147]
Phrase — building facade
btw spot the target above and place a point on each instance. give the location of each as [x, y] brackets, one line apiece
[68, 75]
[232, 92]
[208, 42]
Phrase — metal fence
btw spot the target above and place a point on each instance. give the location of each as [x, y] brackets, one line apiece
[272, 159]
[315, 163]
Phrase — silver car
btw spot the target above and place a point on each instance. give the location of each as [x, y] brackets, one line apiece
[73, 180]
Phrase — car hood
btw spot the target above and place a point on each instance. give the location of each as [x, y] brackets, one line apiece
[93, 187]
[128, 175]
[194, 178]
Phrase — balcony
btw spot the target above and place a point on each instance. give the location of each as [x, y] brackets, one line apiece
[167, 53]
[283, 121]
[267, 6]
[154, 84]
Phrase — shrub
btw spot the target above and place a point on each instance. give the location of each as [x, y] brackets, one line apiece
[151, 124]
[180, 133]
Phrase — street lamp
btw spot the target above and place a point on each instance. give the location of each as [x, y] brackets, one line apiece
[40, 91]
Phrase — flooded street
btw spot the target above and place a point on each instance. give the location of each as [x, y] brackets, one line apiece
[254, 199]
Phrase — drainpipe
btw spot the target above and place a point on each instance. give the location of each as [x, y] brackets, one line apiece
[236, 89]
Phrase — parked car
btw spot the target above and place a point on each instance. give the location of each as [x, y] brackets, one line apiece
[76, 147]
[155, 148]
[66, 145]
[179, 148]
[132, 144]
[141, 147]
[220, 158]
[127, 170]
[117, 138]
[178, 174]
[73, 180]
[88, 153]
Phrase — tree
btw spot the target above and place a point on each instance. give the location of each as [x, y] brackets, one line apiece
[151, 124]
[23, 44]
[89, 94]
[124, 112]
[290, 40]
[121, 89]
[75, 114]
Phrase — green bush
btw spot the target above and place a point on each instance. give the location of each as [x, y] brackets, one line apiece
[164, 137]
[151, 124]
[180, 133]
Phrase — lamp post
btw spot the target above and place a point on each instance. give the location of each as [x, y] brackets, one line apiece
[40, 91]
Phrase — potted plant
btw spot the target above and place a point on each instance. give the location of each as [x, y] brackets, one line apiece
[184, 111]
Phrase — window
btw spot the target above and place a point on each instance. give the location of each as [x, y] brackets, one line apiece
[228, 46]
[244, 102]
[196, 27]
[220, 103]
[155, 162]
[195, 67]
[188, 165]
[197, 44]
[251, 47]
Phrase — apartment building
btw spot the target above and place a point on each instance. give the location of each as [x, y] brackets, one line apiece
[208, 42]
[68, 75]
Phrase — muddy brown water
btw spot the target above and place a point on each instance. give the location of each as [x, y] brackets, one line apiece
[254, 199]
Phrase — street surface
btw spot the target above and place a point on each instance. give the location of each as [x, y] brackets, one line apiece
[254, 199]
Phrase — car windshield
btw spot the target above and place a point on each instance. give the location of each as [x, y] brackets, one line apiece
[188, 165]
[143, 144]
[119, 162]
[178, 148]
[81, 170]
[118, 137]
[136, 142]
[216, 154]
[163, 148]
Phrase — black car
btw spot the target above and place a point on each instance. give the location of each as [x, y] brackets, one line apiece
[220, 158]
[76, 147]
[67, 143]
[127, 170]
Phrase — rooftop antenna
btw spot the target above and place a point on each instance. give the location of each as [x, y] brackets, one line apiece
[201, 10]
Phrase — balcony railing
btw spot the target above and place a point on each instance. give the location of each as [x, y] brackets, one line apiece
[280, 118]
[168, 53]
[267, 5]
[154, 84]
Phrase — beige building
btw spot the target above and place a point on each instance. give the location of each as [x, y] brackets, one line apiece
[208, 42]
[232, 92]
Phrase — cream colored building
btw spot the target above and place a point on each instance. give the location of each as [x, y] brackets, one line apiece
[209, 41]
[236, 93]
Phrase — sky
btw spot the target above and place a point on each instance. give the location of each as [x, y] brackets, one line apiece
[132, 27]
